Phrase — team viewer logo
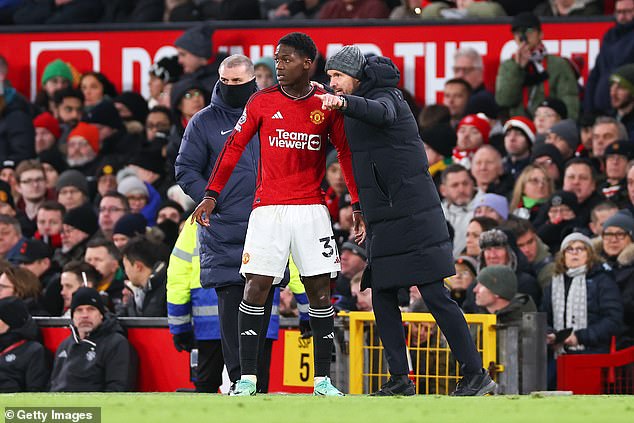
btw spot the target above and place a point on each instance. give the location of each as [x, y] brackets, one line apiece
[317, 117]
[295, 140]
[245, 258]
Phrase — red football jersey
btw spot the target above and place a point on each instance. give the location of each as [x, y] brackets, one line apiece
[293, 133]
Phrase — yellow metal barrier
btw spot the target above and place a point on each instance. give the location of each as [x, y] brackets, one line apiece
[435, 370]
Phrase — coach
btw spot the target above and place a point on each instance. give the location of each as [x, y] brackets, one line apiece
[222, 242]
[408, 240]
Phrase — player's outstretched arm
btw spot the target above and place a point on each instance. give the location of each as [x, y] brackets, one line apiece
[203, 211]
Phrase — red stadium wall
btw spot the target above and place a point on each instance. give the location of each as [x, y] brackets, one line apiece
[423, 53]
[162, 368]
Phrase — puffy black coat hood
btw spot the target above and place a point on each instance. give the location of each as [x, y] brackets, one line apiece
[379, 72]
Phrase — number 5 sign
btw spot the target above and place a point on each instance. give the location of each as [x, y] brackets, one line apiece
[298, 359]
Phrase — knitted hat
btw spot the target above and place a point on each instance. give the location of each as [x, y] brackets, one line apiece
[497, 202]
[354, 248]
[88, 132]
[5, 193]
[441, 137]
[107, 168]
[576, 236]
[622, 219]
[482, 104]
[132, 185]
[130, 225]
[471, 264]
[331, 159]
[500, 280]
[55, 158]
[87, 296]
[565, 198]
[172, 204]
[623, 147]
[197, 41]
[82, 218]
[568, 131]
[624, 76]
[551, 151]
[349, 60]
[104, 113]
[556, 104]
[482, 125]
[57, 68]
[150, 159]
[13, 312]
[32, 250]
[135, 103]
[72, 178]
[7, 164]
[167, 69]
[523, 124]
[525, 20]
[493, 238]
[48, 121]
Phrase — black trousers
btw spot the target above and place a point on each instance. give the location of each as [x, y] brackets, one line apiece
[210, 365]
[229, 298]
[448, 316]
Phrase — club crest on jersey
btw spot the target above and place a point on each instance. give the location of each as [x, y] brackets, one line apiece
[245, 258]
[317, 117]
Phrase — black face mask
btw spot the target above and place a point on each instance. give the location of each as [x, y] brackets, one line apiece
[236, 96]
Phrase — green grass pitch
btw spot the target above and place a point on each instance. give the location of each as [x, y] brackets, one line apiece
[185, 408]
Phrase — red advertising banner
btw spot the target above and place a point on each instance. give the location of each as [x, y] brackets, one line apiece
[424, 54]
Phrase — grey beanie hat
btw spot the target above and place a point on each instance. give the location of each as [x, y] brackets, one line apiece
[197, 41]
[576, 236]
[568, 131]
[500, 280]
[132, 185]
[493, 238]
[72, 178]
[622, 219]
[348, 60]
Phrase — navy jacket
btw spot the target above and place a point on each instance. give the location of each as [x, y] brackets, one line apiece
[617, 49]
[408, 240]
[222, 242]
[605, 310]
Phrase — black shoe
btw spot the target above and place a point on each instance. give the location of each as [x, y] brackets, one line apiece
[475, 385]
[396, 385]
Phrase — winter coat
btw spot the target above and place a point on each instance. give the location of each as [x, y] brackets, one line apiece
[512, 313]
[605, 310]
[102, 362]
[509, 92]
[543, 266]
[617, 49]
[459, 218]
[24, 362]
[17, 134]
[407, 237]
[155, 298]
[222, 242]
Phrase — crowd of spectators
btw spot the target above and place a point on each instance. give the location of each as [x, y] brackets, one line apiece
[536, 174]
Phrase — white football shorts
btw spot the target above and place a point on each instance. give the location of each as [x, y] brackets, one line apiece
[276, 231]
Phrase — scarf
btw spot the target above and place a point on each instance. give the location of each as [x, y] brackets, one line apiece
[575, 305]
[535, 69]
[463, 157]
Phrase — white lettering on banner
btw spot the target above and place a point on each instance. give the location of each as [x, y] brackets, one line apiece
[130, 56]
[38, 47]
[296, 140]
[409, 52]
[433, 83]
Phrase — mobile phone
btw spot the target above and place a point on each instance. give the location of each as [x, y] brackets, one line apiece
[562, 335]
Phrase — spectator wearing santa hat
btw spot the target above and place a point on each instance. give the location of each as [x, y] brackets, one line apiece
[473, 132]
[519, 136]
[82, 148]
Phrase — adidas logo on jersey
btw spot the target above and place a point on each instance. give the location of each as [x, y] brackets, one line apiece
[277, 115]
[63, 354]
[249, 332]
[331, 335]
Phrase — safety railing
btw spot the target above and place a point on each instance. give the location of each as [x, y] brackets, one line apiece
[434, 369]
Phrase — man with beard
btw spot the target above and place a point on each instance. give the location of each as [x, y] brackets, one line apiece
[622, 97]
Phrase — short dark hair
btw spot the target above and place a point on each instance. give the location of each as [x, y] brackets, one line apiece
[52, 206]
[77, 267]
[582, 161]
[603, 205]
[162, 109]
[109, 245]
[518, 226]
[61, 94]
[301, 42]
[460, 81]
[147, 252]
[486, 223]
[11, 221]
[120, 197]
[453, 168]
